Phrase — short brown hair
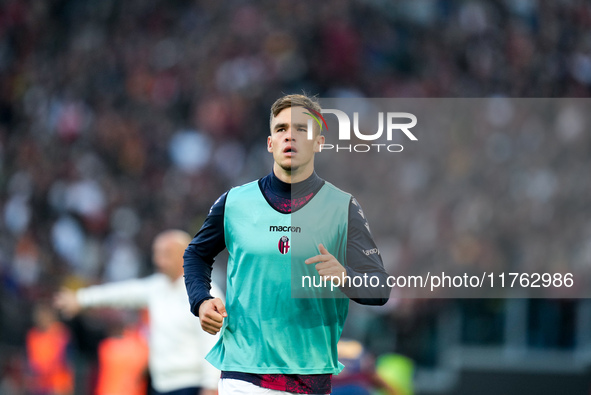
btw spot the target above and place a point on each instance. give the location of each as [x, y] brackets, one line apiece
[296, 100]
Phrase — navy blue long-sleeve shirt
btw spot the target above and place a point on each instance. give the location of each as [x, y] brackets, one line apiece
[363, 257]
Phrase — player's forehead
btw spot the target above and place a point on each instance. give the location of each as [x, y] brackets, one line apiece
[291, 115]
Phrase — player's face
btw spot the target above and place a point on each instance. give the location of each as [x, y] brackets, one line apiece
[292, 151]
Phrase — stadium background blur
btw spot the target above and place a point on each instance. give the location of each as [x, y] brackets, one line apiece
[120, 119]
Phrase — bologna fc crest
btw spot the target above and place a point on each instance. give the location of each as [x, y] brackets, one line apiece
[284, 244]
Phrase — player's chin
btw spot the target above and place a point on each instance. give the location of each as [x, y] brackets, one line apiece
[288, 165]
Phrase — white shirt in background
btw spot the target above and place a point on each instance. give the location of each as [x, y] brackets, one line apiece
[177, 343]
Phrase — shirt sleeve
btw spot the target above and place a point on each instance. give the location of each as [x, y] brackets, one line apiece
[123, 294]
[200, 255]
[364, 260]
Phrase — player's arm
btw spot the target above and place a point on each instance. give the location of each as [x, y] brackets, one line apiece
[363, 258]
[198, 265]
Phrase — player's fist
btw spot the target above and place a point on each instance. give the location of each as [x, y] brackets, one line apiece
[211, 314]
[67, 303]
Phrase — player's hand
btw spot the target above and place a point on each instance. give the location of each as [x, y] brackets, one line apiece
[327, 265]
[208, 392]
[67, 303]
[211, 315]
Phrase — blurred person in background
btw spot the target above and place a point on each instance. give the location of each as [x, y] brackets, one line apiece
[123, 358]
[47, 343]
[359, 377]
[177, 344]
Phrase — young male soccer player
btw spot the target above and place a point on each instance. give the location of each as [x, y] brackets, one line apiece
[269, 339]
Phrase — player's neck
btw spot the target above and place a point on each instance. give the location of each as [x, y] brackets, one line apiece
[292, 177]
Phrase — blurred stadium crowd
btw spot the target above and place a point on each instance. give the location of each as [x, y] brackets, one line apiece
[119, 119]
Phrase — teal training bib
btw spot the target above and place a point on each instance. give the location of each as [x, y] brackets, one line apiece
[267, 329]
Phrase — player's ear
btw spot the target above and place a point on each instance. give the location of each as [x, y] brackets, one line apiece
[319, 141]
[269, 144]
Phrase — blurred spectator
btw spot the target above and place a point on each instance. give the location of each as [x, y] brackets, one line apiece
[122, 360]
[359, 377]
[13, 379]
[47, 342]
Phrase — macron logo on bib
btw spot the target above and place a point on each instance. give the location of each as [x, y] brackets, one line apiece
[279, 228]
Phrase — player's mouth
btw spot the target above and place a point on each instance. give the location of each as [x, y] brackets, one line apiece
[289, 150]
